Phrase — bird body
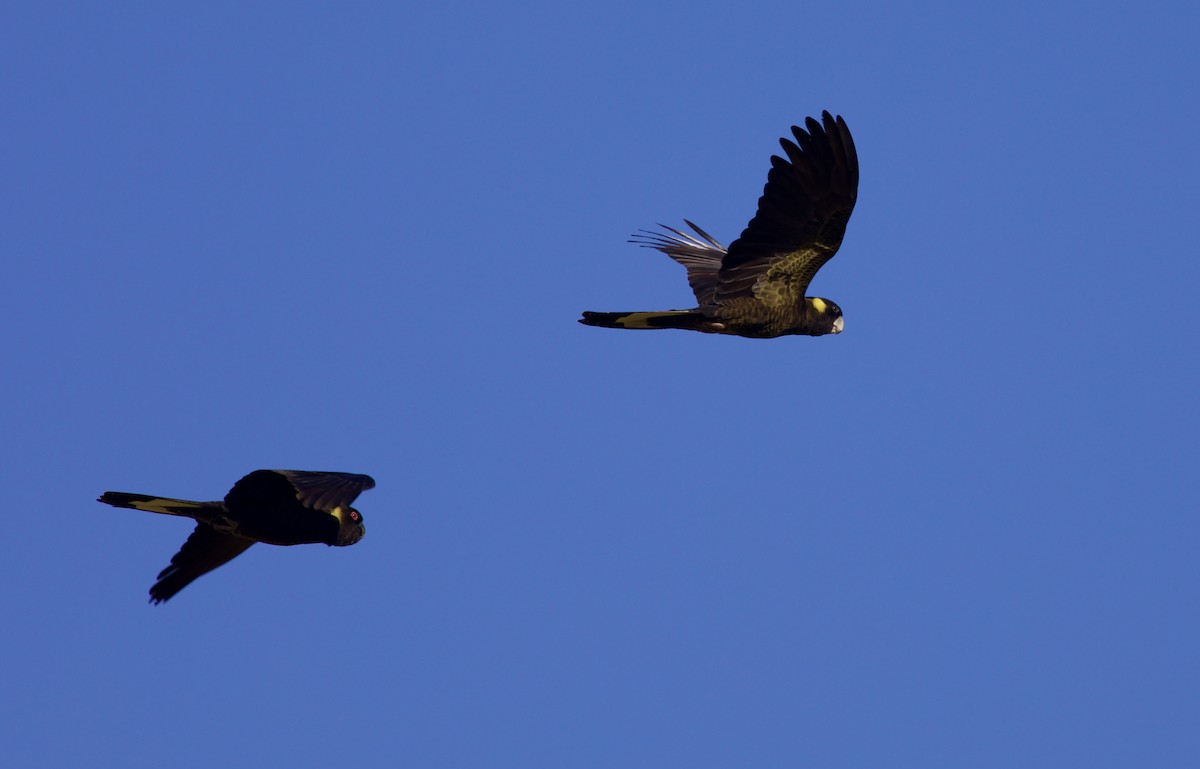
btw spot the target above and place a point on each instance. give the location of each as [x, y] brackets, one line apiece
[756, 287]
[277, 507]
[741, 317]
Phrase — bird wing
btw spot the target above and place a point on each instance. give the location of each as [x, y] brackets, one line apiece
[205, 550]
[326, 490]
[801, 216]
[702, 258]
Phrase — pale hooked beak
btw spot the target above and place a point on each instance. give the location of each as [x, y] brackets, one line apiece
[837, 326]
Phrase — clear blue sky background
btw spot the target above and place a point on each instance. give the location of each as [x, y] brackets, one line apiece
[357, 237]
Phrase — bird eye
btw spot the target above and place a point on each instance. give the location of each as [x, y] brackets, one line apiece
[354, 515]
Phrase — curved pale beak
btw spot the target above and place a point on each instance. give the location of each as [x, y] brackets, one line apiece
[837, 326]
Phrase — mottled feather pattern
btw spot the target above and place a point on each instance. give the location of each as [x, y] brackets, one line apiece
[801, 215]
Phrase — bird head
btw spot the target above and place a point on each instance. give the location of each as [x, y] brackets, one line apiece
[350, 525]
[824, 316]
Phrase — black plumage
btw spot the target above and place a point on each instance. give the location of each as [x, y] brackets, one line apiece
[278, 507]
[756, 287]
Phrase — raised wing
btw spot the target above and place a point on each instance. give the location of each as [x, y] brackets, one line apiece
[326, 490]
[702, 258]
[801, 216]
[205, 550]
[280, 489]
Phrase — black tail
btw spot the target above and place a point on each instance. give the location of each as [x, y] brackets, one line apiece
[691, 320]
[184, 507]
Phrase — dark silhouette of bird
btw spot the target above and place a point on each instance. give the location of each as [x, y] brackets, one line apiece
[755, 288]
[278, 507]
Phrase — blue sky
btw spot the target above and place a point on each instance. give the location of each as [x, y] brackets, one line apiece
[357, 237]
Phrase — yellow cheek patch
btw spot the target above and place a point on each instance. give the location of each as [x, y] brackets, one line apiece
[819, 305]
[345, 515]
